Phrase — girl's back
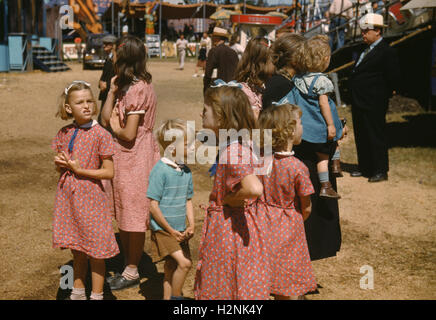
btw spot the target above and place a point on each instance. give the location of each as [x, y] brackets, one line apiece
[286, 180]
[291, 270]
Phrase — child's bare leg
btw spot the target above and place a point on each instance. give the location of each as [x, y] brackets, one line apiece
[323, 174]
[124, 236]
[169, 267]
[135, 251]
[136, 248]
[323, 162]
[179, 275]
[336, 163]
[80, 267]
[98, 270]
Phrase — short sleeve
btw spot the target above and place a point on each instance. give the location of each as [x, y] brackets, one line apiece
[238, 165]
[156, 183]
[323, 85]
[56, 143]
[138, 98]
[106, 145]
[190, 193]
[303, 185]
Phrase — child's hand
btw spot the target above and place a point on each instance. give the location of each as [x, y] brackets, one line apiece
[231, 202]
[115, 121]
[113, 87]
[64, 161]
[331, 132]
[189, 232]
[177, 235]
[344, 132]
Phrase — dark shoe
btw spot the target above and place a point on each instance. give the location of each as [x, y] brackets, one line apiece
[327, 191]
[336, 168]
[356, 174]
[178, 298]
[378, 177]
[112, 278]
[121, 283]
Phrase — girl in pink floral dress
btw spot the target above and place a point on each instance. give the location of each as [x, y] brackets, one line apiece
[253, 70]
[82, 215]
[286, 202]
[130, 109]
[233, 262]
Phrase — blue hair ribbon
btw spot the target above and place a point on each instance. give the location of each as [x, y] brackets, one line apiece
[221, 83]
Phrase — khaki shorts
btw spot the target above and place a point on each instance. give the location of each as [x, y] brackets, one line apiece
[163, 244]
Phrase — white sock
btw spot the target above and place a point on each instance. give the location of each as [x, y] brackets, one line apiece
[131, 273]
[96, 296]
[78, 294]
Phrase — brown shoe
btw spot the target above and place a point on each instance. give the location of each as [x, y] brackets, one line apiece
[327, 191]
[336, 168]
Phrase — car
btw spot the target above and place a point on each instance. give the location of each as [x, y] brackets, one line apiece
[94, 55]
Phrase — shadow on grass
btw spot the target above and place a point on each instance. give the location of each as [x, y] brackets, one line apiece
[418, 131]
[150, 289]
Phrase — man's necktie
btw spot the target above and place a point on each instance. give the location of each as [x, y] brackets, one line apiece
[364, 53]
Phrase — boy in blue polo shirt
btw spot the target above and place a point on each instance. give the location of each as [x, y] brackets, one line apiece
[170, 191]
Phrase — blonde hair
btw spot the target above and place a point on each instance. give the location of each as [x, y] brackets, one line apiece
[282, 121]
[231, 107]
[65, 96]
[286, 49]
[176, 125]
[314, 52]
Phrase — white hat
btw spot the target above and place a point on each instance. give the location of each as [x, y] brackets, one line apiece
[371, 20]
[220, 32]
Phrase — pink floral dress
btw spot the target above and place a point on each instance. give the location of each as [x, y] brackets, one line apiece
[254, 98]
[233, 262]
[82, 215]
[291, 269]
[134, 160]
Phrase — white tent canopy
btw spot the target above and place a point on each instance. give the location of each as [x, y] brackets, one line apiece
[415, 4]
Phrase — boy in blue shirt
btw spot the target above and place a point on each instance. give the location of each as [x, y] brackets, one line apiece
[170, 191]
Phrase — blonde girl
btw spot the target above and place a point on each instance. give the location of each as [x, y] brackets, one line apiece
[320, 117]
[286, 202]
[82, 214]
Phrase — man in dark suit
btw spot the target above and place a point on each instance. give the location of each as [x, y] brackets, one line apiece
[220, 57]
[372, 82]
[108, 71]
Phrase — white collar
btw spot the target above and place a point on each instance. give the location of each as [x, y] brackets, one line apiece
[285, 153]
[87, 125]
[270, 159]
[171, 163]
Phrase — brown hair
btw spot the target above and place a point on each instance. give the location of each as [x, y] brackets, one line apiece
[64, 99]
[231, 107]
[314, 52]
[130, 62]
[285, 51]
[256, 64]
[282, 120]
